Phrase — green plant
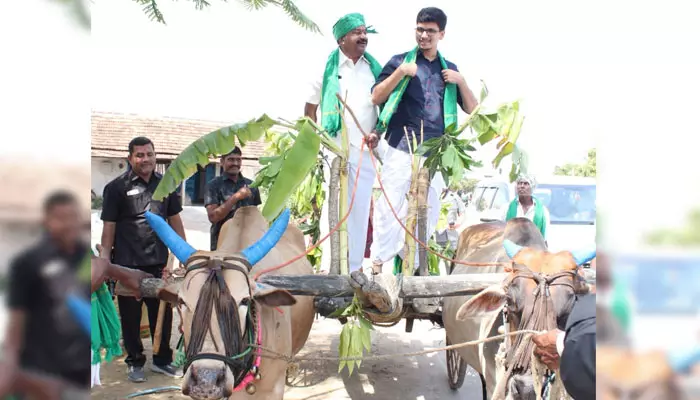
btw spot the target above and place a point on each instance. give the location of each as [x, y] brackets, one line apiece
[450, 155]
[97, 203]
[355, 337]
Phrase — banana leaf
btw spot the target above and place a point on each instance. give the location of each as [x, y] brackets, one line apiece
[295, 167]
[216, 143]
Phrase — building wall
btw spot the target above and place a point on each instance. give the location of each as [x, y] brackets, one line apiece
[104, 170]
[14, 238]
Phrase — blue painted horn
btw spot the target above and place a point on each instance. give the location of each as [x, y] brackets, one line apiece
[585, 255]
[683, 360]
[81, 311]
[180, 248]
[511, 248]
[255, 252]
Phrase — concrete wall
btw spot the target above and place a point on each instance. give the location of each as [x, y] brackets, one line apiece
[104, 170]
[14, 238]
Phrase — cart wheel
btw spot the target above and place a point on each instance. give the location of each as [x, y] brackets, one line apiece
[456, 367]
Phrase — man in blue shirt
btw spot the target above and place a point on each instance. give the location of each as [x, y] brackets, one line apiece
[420, 91]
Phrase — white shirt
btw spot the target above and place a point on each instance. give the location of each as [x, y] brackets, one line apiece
[357, 80]
[530, 214]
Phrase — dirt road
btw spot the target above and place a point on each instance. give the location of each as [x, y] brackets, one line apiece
[401, 378]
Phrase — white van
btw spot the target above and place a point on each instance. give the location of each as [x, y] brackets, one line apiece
[571, 202]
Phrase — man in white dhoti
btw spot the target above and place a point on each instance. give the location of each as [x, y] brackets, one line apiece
[350, 71]
[418, 88]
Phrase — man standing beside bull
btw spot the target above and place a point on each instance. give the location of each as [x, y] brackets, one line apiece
[128, 240]
[427, 103]
[528, 206]
[350, 71]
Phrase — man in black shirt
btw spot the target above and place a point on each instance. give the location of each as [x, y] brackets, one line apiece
[42, 335]
[227, 193]
[129, 241]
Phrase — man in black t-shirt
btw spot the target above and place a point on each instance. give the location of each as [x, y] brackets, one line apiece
[128, 240]
[227, 193]
[42, 335]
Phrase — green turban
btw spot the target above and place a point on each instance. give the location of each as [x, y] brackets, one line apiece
[348, 23]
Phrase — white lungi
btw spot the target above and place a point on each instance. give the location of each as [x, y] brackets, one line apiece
[388, 236]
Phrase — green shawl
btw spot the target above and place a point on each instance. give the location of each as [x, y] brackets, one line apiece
[330, 118]
[449, 99]
[105, 325]
[538, 220]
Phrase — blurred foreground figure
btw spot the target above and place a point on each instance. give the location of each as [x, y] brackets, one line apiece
[46, 351]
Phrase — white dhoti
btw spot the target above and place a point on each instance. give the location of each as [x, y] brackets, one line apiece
[389, 237]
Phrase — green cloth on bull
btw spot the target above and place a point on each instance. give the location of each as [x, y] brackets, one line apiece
[449, 99]
[538, 220]
[105, 327]
[330, 118]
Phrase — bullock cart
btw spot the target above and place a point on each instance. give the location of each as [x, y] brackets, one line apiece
[400, 297]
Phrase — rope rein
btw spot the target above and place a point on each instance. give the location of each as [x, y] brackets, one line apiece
[279, 356]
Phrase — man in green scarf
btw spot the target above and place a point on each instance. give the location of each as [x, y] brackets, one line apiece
[528, 206]
[350, 71]
[420, 91]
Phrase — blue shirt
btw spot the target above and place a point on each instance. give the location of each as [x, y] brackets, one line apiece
[422, 100]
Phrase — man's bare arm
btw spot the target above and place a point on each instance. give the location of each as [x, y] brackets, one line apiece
[217, 213]
[107, 241]
[310, 111]
[469, 101]
[13, 336]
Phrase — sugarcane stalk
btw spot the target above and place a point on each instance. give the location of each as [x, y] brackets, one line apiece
[334, 215]
[409, 260]
[343, 200]
[422, 185]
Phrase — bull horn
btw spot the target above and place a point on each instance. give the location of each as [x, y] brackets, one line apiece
[180, 248]
[583, 256]
[259, 249]
[511, 248]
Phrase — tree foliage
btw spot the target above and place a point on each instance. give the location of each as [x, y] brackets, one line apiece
[686, 236]
[587, 168]
[150, 8]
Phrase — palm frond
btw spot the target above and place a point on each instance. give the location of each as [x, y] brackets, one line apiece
[150, 7]
[200, 4]
[254, 4]
[296, 15]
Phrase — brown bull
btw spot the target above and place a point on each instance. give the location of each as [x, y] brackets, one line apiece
[537, 294]
[623, 374]
[225, 313]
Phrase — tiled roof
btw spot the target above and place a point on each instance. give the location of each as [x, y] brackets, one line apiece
[111, 133]
[25, 185]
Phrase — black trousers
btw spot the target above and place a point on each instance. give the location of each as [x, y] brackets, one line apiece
[130, 313]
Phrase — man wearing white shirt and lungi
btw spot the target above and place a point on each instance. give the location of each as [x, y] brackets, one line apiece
[350, 71]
